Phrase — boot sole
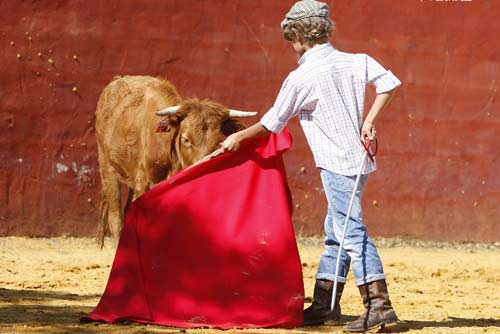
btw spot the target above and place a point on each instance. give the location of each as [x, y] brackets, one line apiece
[332, 323]
[382, 326]
[324, 323]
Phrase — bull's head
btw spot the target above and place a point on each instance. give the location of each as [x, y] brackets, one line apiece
[199, 127]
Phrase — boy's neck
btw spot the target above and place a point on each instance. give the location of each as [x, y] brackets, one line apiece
[306, 47]
[309, 45]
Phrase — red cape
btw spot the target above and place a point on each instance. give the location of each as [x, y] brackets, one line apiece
[212, 246]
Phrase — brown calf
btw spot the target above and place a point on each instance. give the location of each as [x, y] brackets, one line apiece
[137, 150]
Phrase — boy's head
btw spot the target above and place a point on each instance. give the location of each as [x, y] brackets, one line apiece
[308, 19]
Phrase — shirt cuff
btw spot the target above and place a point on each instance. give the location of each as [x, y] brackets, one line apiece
[386, 82]
[271, 121]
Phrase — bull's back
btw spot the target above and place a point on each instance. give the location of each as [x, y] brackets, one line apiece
[125, 117]
[124, 101]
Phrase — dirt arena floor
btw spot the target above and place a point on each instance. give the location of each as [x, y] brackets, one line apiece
[47, 284]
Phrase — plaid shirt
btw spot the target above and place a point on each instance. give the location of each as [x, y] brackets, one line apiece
[327, 93]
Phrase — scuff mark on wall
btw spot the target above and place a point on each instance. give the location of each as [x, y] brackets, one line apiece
[61, 168]
[84, 176]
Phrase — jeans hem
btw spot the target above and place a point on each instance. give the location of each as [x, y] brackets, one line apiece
[331, 277]
[369, 279]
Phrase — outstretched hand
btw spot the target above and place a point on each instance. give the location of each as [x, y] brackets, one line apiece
[232, 143]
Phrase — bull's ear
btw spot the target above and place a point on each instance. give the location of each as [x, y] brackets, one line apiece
[167, 123]
[230, 126]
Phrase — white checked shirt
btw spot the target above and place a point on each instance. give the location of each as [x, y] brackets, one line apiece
[327, 93]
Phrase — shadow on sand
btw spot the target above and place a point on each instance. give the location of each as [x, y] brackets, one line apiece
[50, 309]
[452, 322]
[41, 308]
[410, 325]
[58, 312]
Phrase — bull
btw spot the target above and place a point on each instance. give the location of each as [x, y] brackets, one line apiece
[137, 150]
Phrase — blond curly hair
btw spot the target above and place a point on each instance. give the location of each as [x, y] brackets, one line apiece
[312, 29]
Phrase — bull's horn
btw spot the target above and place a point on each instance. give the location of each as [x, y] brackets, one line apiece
[168, 111]
[237, 113]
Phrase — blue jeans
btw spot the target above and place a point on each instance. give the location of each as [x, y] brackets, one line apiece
[358, 247]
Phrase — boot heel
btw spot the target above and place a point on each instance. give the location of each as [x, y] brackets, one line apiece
[389, 324]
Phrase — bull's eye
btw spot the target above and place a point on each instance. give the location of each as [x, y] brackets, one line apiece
[185, 141]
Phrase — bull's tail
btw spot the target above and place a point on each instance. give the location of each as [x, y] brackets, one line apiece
[103, 226]
[130, 198]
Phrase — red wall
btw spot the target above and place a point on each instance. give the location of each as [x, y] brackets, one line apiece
[439, 148]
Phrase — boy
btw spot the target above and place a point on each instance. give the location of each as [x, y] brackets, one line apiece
[327, 93]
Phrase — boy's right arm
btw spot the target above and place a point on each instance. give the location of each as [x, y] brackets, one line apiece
[288, 103]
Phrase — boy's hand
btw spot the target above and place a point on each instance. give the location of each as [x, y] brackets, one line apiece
[368, 131]
[231, 143]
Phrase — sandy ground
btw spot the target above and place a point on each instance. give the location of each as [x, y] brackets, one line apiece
[47, 284]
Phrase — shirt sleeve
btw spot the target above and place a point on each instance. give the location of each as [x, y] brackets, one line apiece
[291, 99]
[378, 76]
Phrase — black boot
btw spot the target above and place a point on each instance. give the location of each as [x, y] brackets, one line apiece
[379, 311]
[320, 312]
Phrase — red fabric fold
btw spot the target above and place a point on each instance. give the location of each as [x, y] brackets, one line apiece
[212, 246]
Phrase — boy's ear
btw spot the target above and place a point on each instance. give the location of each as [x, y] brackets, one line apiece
[299, 38]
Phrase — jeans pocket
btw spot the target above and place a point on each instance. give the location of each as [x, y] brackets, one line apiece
[333, 182]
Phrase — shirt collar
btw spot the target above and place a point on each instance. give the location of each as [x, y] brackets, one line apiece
[317, 51]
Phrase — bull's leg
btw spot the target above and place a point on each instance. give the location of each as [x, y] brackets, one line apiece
[141, 185]
[113, 218]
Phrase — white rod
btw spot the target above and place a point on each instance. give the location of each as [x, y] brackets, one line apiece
[348, 216]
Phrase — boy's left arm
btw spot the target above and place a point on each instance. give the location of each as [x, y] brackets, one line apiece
[385, 83]
[381, 100]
